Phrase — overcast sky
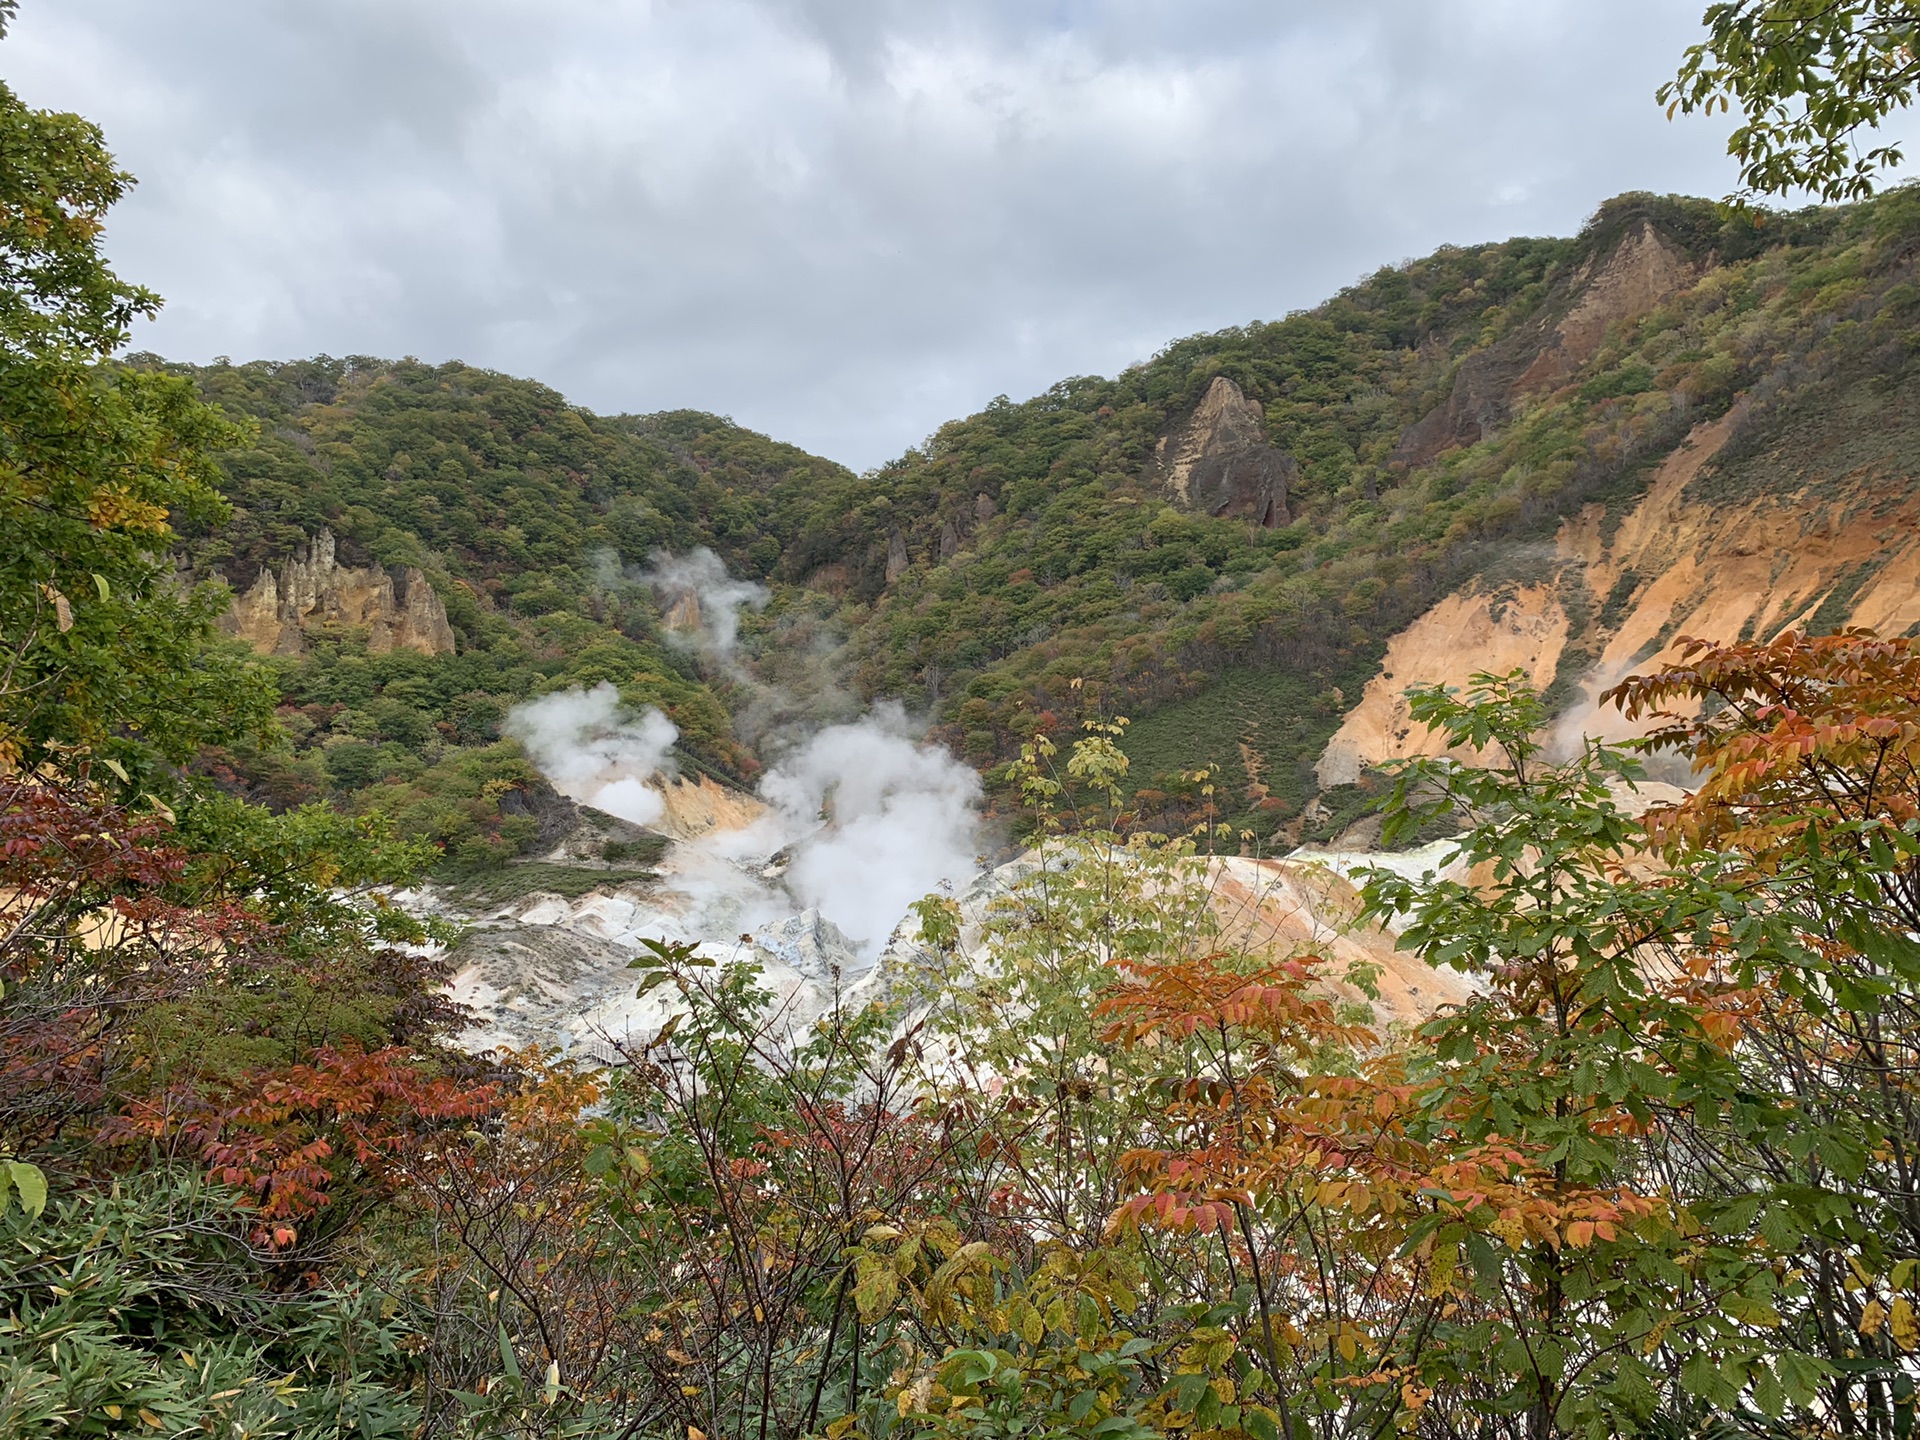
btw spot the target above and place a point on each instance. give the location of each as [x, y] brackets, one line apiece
[838, 221]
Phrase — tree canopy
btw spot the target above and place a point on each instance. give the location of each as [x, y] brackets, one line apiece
[1813, 79]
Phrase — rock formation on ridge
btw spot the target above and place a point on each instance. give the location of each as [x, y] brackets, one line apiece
[396, 605]
[1221, 462]
[1642, 270]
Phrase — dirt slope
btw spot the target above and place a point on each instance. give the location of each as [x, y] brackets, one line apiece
[1819, 529]
[1285, 907]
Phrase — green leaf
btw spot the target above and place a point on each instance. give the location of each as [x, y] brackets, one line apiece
[1779, 1229]
[1483, 1257]
[30, 1184]
[1187, 1391]
[1887, 950]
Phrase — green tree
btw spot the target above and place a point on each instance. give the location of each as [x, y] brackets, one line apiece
[99, 646]
[1623, 1276]
[1809, 76]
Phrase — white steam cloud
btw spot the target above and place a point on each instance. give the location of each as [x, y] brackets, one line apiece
[867, 818]
[594, 751]
[888, 821]
[701, 601]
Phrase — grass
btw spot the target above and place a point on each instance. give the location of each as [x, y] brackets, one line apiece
[1283, 717]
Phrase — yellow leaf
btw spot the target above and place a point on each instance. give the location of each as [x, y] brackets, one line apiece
[152, 1419]
[1906, 1331]
[110, 508]
[1872, 1318]
[62, 611]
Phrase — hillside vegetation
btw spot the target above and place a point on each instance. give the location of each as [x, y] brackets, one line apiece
[1096, 1164]
[1438, 420]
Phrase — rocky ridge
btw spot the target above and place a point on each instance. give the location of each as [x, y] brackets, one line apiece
[1642, 270]
[312, 590]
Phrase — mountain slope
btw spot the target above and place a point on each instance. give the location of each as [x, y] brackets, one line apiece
[1224, 543]
[1796, 507]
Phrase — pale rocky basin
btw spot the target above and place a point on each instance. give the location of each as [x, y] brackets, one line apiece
[549, 971]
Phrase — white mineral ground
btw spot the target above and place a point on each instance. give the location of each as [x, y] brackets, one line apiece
[548, 971]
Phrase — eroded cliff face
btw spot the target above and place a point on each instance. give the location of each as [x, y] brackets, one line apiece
[1642, 270]
[397, 607]
[1465, 634]
[1221, 462]
[1820, 533]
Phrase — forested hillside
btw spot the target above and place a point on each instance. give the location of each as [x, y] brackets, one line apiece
[532, 519]
[1104, 1158]
[1033, 565]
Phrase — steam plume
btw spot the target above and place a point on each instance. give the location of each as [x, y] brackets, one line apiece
[871, 819]
[885, 820]
[592, 751]
[702, 602]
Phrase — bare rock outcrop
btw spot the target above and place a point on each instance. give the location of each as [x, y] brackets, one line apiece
[396, 605]
[696, 804]
[683, 615]
[1465, 634]
[1643, 269]
[1221, 462]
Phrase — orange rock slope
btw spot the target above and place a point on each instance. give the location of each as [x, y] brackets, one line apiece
[1804, 549]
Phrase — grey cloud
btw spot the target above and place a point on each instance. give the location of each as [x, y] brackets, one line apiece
[839, 221]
